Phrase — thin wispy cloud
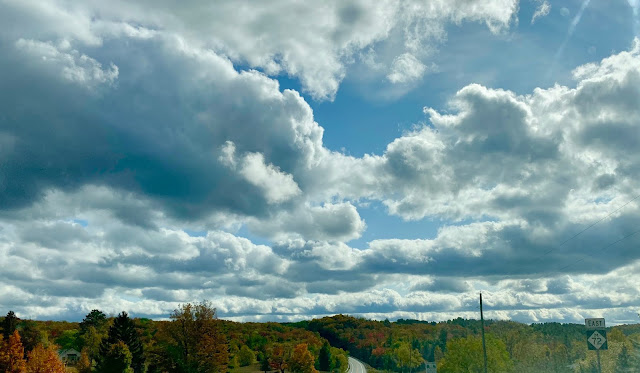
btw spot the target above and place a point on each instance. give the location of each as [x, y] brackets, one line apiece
[542, 11]
[572, 29]
[635, 6]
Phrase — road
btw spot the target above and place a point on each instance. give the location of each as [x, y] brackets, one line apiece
[355, 366]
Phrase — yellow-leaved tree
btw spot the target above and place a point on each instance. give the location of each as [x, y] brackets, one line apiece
[301, 360]
[12, 355]
[44, 360]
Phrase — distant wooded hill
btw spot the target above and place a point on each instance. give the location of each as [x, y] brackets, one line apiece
[196, 341]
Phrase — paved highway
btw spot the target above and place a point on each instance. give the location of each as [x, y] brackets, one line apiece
[355, 366]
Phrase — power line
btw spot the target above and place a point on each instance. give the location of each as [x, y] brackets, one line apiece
[584, 230]
[606, 247]
[593, 224]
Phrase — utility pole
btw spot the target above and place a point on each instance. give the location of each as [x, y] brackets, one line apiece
[484, 345]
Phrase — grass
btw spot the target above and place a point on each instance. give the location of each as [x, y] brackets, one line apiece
[255, 368]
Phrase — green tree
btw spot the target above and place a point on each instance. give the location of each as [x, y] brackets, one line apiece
[339, 360]
[31, 335]
[93, 329]
[464, 355]
[9, 324]
[324, 357]
[407, 357]
[246, 356]
[116, 359]
[264, 364]
[91, 340]
[624, 364]
[124, 330]
[95, 318]
[68, 339]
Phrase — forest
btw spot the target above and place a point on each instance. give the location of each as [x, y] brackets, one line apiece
[194, 339]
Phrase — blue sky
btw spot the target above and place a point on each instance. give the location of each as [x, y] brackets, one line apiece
[288, 161]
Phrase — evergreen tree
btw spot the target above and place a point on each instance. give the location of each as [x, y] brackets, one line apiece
[95, 318]
[117, 359]
[324, 358]
[123, 329]
[264, 364]
[9, 324]
[31, 335]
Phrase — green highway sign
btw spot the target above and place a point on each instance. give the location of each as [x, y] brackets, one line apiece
[430, 367]
[597, 339]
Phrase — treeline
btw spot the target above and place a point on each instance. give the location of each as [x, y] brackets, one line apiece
[456, 346]
[194, 340]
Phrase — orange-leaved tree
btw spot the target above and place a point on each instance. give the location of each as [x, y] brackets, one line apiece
[301, 360]
[12, 355]
[278, 358]
[44, 360]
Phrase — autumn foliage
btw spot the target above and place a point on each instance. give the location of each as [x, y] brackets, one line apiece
[12, 355]
[44, 360]
[301, 360]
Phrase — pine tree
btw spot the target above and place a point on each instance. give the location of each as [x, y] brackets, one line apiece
[264, 364]
[9, 324]
[95, 318]
[117, 359]
[123, 329]
[324, 358]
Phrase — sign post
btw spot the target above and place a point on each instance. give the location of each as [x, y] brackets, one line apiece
[596, 337]
[430, 367]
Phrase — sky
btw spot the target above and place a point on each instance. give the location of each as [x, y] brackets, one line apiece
[287, 160]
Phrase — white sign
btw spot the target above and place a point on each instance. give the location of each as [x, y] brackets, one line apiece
[431, 367]
[597, 340]
[594, 324]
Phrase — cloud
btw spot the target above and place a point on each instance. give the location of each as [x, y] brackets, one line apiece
[150, 139]
[542, 11]
[328, 222]
[406, 69]
[72, 65]
[443, 285]
[133, 148]
[259, 35]
[278, 186]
